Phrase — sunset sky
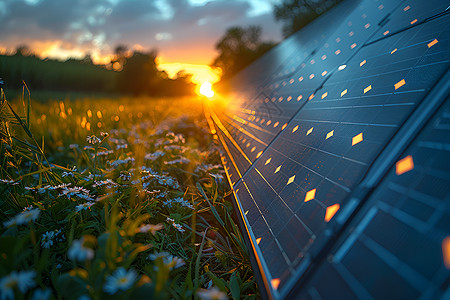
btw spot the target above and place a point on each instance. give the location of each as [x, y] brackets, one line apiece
[183, 31]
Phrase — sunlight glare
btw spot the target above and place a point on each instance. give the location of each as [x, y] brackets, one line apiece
[206, 89]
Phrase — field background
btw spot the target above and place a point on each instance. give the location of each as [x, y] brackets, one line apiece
[145, 207]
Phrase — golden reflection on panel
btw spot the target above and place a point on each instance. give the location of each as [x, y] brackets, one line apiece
[329, 134]
[367, 89]
[310, 130]
[357, 139]
[432, 43]
[324, 95]
[400, 84]
[258, 240]
[295, 129]
[310, 195]
[268, 161]
[331, 211]
[343, 92]
[446, 251]
[278, 169]
[362, 63]
[404, 165]
[275, 283]
[291, 180]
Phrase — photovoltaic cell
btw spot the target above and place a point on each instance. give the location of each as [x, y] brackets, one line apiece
[402, 235]
[303, 139]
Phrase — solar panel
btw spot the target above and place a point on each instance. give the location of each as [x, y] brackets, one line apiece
[307, 144]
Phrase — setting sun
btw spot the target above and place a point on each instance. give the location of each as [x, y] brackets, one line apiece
[206, 89]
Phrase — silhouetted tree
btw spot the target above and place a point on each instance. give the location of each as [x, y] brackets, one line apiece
[120, 56]
[139, 74]
[298, 13]
[23, 50]
[238, 48]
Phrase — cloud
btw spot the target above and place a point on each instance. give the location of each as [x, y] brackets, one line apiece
[179, 29]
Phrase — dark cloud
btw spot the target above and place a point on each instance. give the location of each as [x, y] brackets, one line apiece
[178, 29]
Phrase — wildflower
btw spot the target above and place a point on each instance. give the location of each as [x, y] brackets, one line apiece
[104, 134]
[74, 169]
[150, 227]
[125, 176]
[28, 215]
[76, 191]
[108, 182]
[173, 262]
[41, 294]
[168, 181]
[178, 227]
[74, 146]
[23, 280]
[93, 140]
[78, 251]
[105, 153]
[124, 146]
[155, 256]
[120, 280]
[181, 160]
[9, 182]
[211, 294]
[84, 206]
[155, 155]
[175, 225]
[47, 239]
[119, 162]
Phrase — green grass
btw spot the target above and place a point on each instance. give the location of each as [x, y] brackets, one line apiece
[140, 213]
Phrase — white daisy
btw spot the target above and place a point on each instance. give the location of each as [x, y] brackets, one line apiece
[211, 294]
[79, 252]
[121, 279]
[22, 280]
[28, 215]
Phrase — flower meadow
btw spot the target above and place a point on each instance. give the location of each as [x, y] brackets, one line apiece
[115, 199]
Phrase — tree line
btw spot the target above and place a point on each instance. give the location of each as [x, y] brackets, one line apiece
[136, 75]
[136, 72]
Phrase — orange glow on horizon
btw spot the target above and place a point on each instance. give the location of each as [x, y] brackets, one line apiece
[200, 73]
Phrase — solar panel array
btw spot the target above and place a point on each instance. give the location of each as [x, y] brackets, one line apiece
[337, 146]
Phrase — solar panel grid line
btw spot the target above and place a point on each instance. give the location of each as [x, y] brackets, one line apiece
[318, 88]
[414, 223]
[436, 96]
[415, 22]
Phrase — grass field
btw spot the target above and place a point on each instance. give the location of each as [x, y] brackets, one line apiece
[115, 198]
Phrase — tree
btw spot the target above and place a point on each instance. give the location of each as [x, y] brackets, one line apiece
[120, 56]
[238, 48]
[23, 50]
[139, 74]
[296, 14]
